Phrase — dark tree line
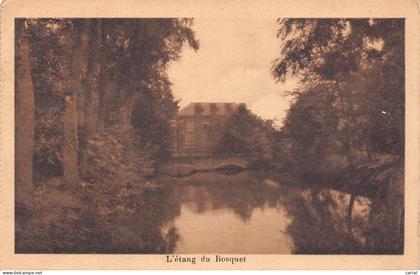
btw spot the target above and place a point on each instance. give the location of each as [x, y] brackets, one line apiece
[345, 127]
[350, 104]
[76, 78]
[247, 134]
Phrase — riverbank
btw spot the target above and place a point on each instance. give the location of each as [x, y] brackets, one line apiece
[90, 218]
[116, 214]
[368, 178]
[151, 215]
[109, 217]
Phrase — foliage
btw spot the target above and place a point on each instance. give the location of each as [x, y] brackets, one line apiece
[152, 118]
[129, 162]
[127, 67]
[246, 134]
[311, 122]
[103, 96]
[96, 218]
[47, 151]
[350, 106]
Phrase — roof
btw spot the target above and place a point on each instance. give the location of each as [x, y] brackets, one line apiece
[209, 108]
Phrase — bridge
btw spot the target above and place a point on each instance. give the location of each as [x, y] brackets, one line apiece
[185, 166]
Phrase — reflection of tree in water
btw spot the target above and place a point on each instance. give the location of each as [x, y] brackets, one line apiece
[139, 229]
[316, 226]
[242, 193]
[319, 217]
[320, 225]
[381, 230]
[127, 220]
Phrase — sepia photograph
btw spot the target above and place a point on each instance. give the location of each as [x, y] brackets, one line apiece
[209, 135]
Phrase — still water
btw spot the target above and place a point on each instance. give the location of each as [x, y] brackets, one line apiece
[207, 224]
[250, 213]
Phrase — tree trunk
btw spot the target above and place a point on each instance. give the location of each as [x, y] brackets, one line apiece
[25, 117]
[394, 211]
[70, 146]
[347, 135]
[127, 110]
[349, 211]
[107, 93]
[91, 89]
[94, 81]
[70, 121]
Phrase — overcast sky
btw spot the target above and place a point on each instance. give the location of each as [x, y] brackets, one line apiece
[233, 65]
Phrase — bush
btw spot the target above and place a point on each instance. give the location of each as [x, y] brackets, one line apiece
[115, 155]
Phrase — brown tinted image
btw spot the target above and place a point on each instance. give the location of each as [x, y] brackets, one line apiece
[209, 135]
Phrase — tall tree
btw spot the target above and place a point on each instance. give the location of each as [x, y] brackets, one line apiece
[70, 118]
[88, 72]
[94, 78]
[357, 59]
[25, 113]
[246, 133]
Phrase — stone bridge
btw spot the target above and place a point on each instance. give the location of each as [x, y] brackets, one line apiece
[187, 166]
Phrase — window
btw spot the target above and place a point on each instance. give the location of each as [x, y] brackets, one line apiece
[213, 109]
[228, 108]
[206, 124]
[198, 109]
[189, 133]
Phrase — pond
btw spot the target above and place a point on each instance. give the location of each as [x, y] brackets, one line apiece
[251, 213]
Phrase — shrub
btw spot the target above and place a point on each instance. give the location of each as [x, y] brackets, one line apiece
[115, 155]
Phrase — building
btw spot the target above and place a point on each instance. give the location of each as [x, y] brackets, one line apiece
[199, 127]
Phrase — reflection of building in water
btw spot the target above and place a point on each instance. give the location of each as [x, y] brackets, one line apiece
[199, 127]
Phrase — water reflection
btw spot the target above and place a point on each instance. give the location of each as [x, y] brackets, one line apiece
[248, 213]
[138, 228]
[230, 218]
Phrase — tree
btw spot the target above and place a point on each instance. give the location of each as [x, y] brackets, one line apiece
[362, 61]
[139, 53]
[311, 129]
[96, 74]
[93, 83]
[247, 134]
[50, 42]
[70, 117]
[154, 110]
[25, 114]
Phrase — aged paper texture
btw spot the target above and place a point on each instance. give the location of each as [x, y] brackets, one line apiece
[209, 134]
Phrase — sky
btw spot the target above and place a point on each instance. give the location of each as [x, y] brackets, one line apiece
[233, 64]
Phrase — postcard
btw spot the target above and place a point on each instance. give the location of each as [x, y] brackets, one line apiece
[210, 134]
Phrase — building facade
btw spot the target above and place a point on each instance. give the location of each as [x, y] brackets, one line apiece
[199, 128]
